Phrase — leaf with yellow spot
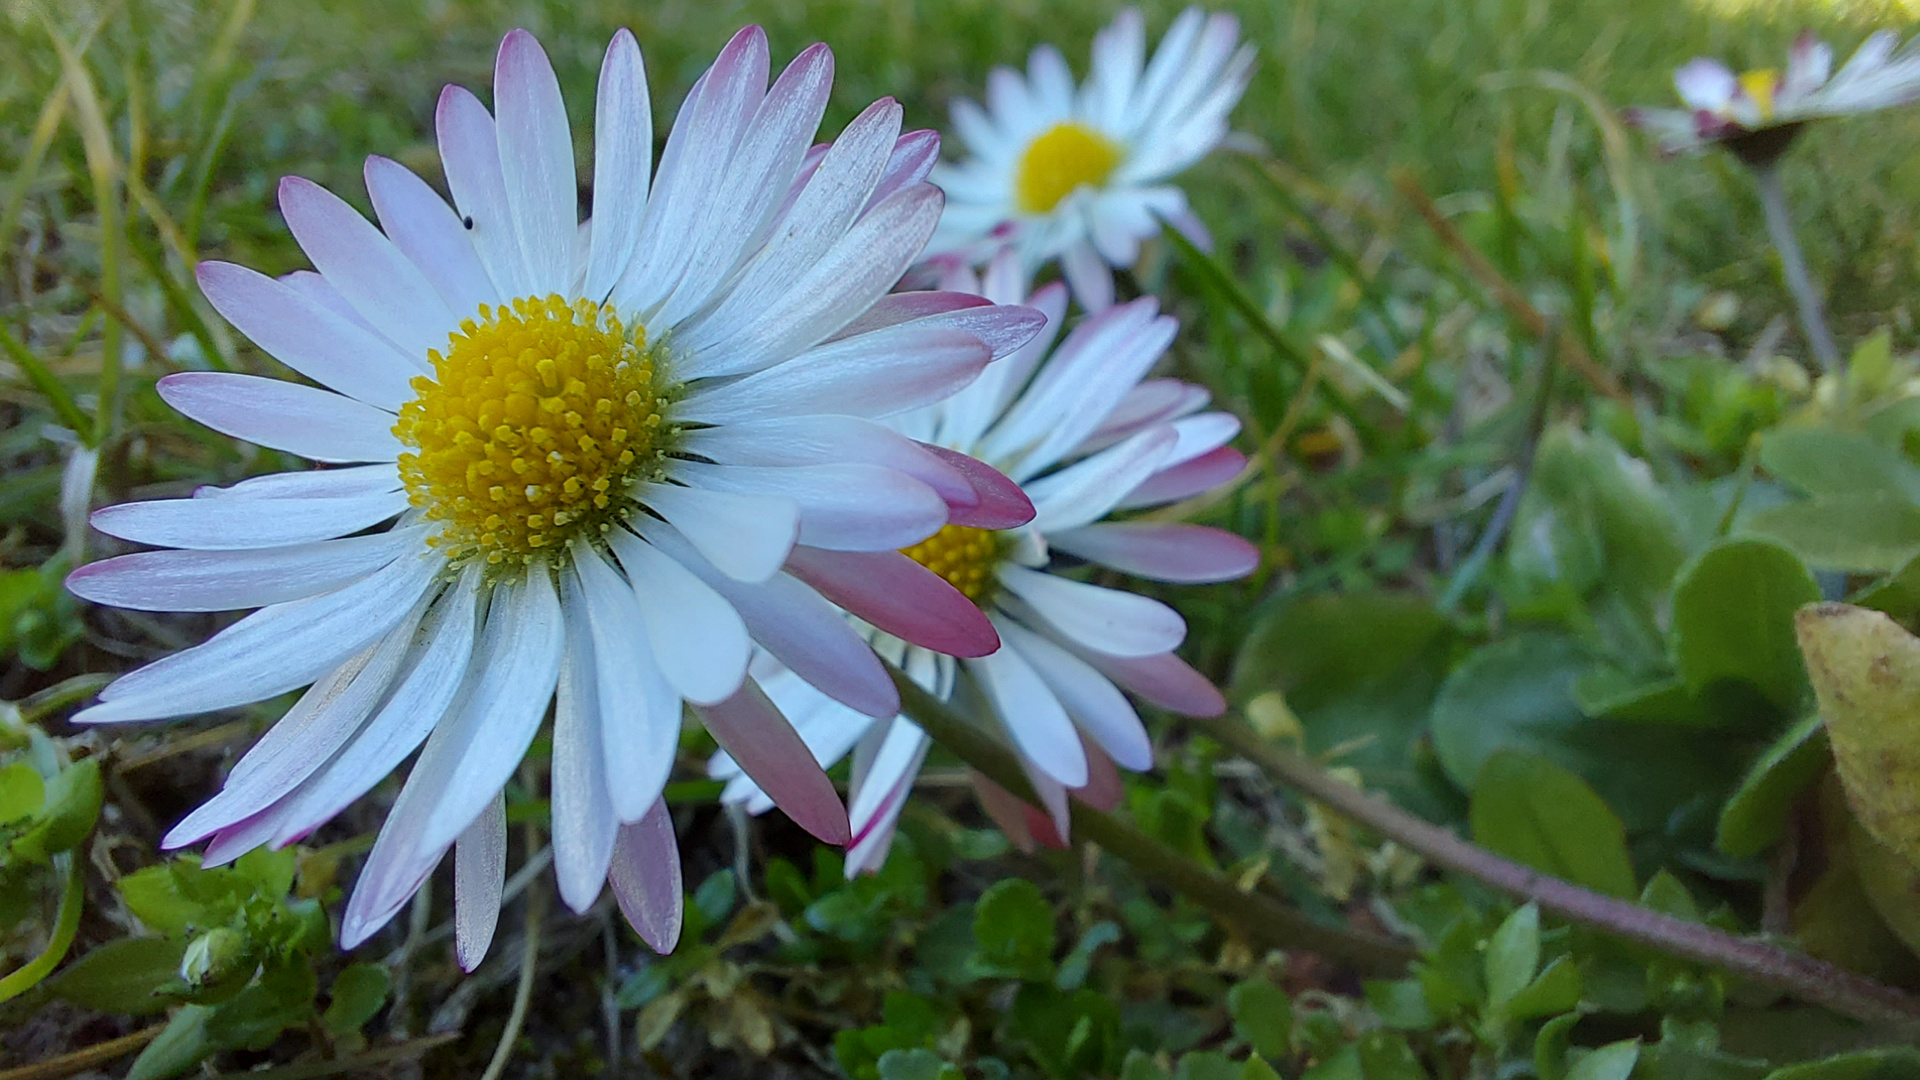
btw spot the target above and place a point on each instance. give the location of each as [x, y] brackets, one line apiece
[1865, 670]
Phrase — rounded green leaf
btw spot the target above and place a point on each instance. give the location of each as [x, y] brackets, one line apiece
[1733, 611]
[1534, 812]
[22, 792]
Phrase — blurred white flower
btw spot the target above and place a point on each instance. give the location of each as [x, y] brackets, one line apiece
[1757, 113]
[1080, 174]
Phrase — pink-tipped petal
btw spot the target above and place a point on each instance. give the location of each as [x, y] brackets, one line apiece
[899, 596]
[1163, 551]
[1184, 481]
[1006, 811]
[645, 877]
[751, 729]
[999, 502]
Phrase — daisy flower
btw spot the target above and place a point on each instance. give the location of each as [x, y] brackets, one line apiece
[1756, 114]
[587, 465]
[1081, 174]
[1082, 430]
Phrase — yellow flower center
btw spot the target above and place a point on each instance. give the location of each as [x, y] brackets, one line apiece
[963, 555]
[1064, 157]
[1759, 85]
[537, 422]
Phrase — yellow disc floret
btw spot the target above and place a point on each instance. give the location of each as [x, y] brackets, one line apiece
[1064, 157]
[537, 422]
[964, 556]
[1760, 85]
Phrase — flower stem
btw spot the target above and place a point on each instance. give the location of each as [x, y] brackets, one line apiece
[1813, 980]
[1793, 266]
[1259, 917]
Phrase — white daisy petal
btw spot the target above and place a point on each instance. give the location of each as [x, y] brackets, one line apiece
[744, 535]
[470, 155]
[231, 580]
[1094, 703]
[843, 506]
[584, 825]
[235, 521]
[430, 233]
[274, 650]
[476, 748]
[1031, 714]
[622, 162]
[1111, 621]
[365, 268]
[479, 875]
[875, 374]
[701, 643]
[419, 700]
[285, 416]
[536, 160]
[308, 338]
[639, 712]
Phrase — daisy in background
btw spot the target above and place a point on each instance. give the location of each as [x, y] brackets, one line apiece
[1758, 114]
[588, 466]
[1086, 435]
[1082, 174]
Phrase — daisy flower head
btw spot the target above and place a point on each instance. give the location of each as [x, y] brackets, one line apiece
[592, 465]
[1757, 114]
[1081, 174]
[1083, 431]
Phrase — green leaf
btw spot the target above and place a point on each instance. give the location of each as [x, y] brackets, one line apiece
[1614, 1061]
[916, 1064]
[1401, 1003]
[1073, 969]
[1514, 693]
[1550, 1047]
[1385, 1055]
[180, 1047]
[1256, 1068]
[1534, 812]
[1513, 953]
[22, 792]
[1756, 815]
[73, 800]
[282, 997]
[1068, 1034]
[1876, 533]
[1013, 925]
[1823, 462]
[1866, 673]
[1207, 1065]
[154, 896]
[1733, 611]
[1610, 694]
[356, 995]
[1890, 1063]
[1360, 671]
[122, 976]
[270, 871]
[1517, 694]
[1556, 989]
[1343, 1065]
[1262, 1015]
